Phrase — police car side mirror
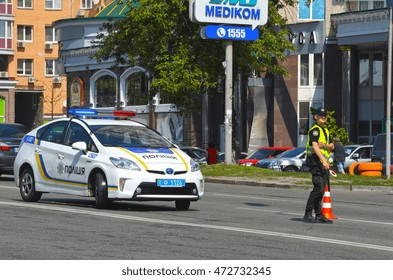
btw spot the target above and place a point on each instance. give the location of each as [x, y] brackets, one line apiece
[80, 145]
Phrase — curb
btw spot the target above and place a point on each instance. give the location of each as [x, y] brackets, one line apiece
[251, 182]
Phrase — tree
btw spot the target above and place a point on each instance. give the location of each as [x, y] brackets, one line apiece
[159, 36]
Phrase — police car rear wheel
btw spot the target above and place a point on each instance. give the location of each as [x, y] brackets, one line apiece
[101, 191]
[182, 204]
[27, 186]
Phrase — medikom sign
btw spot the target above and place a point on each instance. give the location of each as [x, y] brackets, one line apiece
[242, 12]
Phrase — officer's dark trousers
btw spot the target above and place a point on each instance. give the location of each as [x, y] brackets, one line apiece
[319, 180]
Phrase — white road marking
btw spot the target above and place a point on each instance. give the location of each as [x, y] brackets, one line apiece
[257, 197]
[15, 188]
[299, 214]
[206, 226]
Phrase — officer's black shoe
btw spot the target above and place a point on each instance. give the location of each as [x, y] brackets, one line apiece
[308, 218]
[322, 220]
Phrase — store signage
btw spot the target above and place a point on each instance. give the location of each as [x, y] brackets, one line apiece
[242, 12]
[229, 32]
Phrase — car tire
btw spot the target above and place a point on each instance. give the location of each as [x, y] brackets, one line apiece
[101, 191]
[290, 169]
[182, 204]
[27, 186]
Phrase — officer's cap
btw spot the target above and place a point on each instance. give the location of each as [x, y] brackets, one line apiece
[321, 111]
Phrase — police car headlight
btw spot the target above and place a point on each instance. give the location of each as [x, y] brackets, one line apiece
[124, 163]
[194, 165]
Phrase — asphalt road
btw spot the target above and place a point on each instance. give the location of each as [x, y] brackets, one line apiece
[231, 222]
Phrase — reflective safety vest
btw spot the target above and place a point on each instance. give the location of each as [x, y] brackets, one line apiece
[323, 138]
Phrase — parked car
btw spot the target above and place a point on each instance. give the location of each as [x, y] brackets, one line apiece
[288, 161]
[197, 154]
[106, 159]
[378, 152]
[261, 153]
[221, 157]
[11, 135]
[357, 153]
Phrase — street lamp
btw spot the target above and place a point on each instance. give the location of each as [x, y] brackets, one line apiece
[389, 92]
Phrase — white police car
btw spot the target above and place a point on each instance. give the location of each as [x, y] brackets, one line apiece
[108, 159]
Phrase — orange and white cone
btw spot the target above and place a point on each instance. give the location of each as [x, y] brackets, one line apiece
[327, 205]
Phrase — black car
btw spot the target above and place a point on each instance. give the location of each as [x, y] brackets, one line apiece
[11, 135]
[198, 154]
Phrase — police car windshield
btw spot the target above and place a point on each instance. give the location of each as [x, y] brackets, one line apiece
[129, 136]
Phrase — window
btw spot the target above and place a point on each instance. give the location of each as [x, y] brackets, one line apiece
[87, 4]
[304, 117]
[25, 67]
[5, 34]
[51, 67]
[52, 133]
[318, 69]
[312, 10]
[25, 3]
[53, 4]
[25, 33]
[76, 133]
[50, 34]
[377, 69]
[106, 91]
[136, 91]
[311, 69]
[304, 70]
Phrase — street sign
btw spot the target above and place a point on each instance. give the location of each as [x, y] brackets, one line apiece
[229, 32]
[242, 12]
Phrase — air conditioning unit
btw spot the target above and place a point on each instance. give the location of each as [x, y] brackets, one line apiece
[80, 13]
[21, 44]
[3, 74]
[56, 80]
[31, 80]
[48, 46]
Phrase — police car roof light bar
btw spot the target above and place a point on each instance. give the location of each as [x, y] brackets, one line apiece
[82, 112]
[111, 114]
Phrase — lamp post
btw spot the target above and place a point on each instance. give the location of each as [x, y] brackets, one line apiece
[389, 93]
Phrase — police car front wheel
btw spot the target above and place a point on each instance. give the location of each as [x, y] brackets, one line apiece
[182, 204]
[101, 191]
[27, 186]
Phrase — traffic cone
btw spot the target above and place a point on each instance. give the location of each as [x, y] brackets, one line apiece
[327, 205]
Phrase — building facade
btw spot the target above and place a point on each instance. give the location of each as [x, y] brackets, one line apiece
[340, 63]
[32, 89]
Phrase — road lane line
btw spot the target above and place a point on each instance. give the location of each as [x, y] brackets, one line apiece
[206, 226]
[4, 187]
[258, 198]
[299, 214]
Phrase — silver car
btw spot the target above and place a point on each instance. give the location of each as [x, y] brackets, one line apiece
[357, 153]
[288, 161]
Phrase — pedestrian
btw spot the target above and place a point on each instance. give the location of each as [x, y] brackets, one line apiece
[339, 155]
[318, 148]
[212, 153]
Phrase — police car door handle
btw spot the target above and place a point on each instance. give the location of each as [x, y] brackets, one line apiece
[60, 156]
[37, 150]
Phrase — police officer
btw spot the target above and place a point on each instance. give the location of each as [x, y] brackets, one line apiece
[318, 149]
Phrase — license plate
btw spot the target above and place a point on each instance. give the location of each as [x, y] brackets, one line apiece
[171, 183]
